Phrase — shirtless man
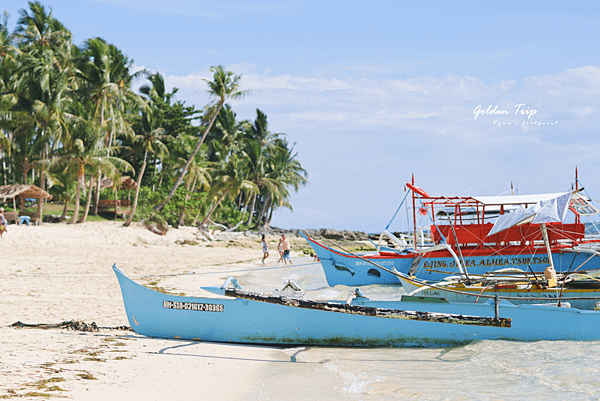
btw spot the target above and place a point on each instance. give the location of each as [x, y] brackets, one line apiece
[286, 249]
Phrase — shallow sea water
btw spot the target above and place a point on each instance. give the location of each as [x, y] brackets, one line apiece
[483, 370]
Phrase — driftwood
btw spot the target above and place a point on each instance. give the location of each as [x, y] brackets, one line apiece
[70, 324]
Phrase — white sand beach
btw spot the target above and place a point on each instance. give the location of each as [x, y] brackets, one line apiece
[58, 272]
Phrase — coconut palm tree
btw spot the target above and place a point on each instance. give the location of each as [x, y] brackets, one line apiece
[227, 135]
[228, 181]
[258, 149]
[46, 72]
[44, 79]
[84, 151]
[224, 86]
[150, 142]
[256, 165]
[287, 172]
[107, 78]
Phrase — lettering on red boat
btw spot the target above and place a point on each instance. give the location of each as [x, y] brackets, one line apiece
[487, 262]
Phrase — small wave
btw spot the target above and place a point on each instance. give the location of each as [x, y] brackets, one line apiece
[355, 381]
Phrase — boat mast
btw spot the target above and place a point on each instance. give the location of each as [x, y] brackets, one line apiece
[577, 218]
[547, 243]
[414, 214]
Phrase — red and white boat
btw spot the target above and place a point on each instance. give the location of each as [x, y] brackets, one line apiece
[461, 241]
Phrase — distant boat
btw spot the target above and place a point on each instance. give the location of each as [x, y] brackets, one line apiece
[257, 318]
[462, 241]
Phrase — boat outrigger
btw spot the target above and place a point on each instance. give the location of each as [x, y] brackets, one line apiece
[576, 290]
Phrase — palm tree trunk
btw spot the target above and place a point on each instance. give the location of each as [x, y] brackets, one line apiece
[187, 197]
[138, 184]
[97, 195]
[214, 207]
[263, 209]
[77, 195]
[240, 201]
[189, 161]
[88, 201]
[249, 222]
[268, 223]
[196, 218]
[41, 200]
[64, 213]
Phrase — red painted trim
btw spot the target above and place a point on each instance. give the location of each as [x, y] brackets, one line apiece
[417, 190]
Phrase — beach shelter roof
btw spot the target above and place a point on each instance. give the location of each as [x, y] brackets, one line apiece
[27, 191]
[126, 182]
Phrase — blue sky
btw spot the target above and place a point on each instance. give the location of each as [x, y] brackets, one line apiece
[374, 91]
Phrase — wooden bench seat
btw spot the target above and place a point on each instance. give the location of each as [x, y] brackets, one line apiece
[11, 217]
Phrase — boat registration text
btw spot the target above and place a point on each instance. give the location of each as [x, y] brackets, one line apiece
[193, 306]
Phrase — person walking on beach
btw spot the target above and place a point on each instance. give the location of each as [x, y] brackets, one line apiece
[285, 245]
[2, 222]
[265, 247]
[280, 250]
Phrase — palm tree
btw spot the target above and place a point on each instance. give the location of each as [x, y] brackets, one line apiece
[256, 165]
[198, 177]
[105, 72]
[224, 86]
[46, 72]
[257, 149]
[40, 91]
[175, 117]
[227, 135]
[150, 142]
[229, 181]
[287, 172]
[84, 150]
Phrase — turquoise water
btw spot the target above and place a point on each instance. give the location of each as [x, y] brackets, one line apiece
[487, 370]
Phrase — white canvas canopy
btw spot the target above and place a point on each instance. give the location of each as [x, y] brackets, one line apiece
[545, 211]
[515, 199]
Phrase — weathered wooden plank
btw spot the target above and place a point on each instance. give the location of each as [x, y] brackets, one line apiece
[371, 311]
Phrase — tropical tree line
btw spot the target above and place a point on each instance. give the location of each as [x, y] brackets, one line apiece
[70, 121]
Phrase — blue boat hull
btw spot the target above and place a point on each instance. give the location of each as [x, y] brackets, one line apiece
[342, 268]
[239, 320]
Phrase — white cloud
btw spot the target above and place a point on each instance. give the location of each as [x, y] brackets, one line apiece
[430, 106]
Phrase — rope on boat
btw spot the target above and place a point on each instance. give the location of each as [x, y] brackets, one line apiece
[69, 324]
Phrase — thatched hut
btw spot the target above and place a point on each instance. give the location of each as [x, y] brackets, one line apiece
[23, 192]
[118, 206]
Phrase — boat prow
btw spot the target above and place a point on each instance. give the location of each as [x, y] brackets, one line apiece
[342, 268]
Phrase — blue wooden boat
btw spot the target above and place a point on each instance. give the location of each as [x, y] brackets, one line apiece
[462, 237]
[343, 268]
[256, 318]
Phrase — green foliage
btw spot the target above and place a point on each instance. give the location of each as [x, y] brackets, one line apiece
[69, 114]
[170, 214]
[228, 214]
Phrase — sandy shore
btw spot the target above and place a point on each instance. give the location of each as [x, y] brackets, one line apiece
[57, 272]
